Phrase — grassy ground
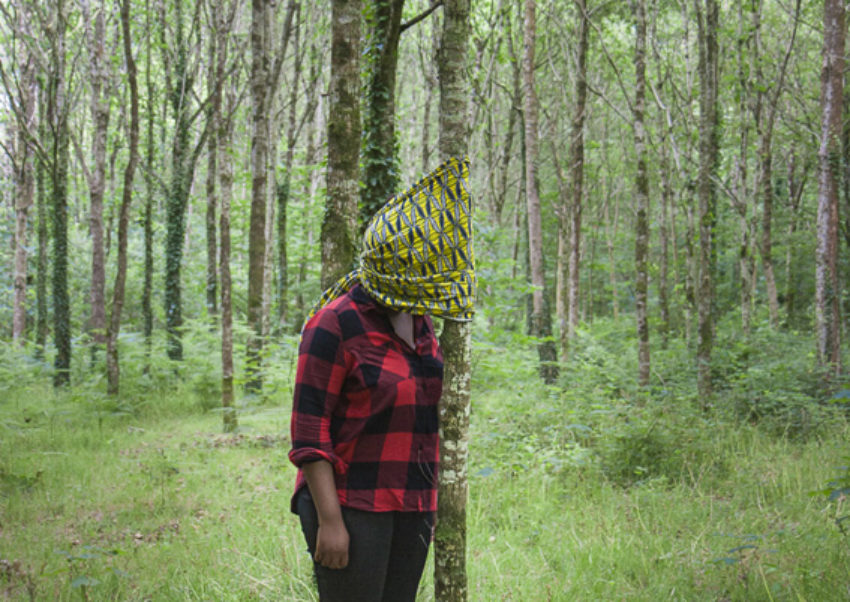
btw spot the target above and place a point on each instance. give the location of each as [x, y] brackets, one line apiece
[601, 500]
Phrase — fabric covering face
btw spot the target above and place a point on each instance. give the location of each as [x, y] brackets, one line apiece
[417, 249]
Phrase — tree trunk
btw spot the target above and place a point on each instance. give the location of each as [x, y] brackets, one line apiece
[57, 116]
[214, 83]
[261, 27]
[450, 582]
[541, 321]
[223, 133]
[100, 105]
[708, 159]
[796, 185]
[380, 166]
[577, 171]
[339, 226]
[178, 194]
[283, 187]
[827, 288]
[24, 179]
[113, 369]
[642, 197]
[42, 318]
[147, 287]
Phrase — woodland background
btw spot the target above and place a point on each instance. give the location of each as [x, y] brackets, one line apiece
[662, 193]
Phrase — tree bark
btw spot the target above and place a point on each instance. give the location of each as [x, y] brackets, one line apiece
[339, 225]
[112, 365]
[42, 320]
[261, 27]
[577, 171]
[24, 176]
[450, 581]
[99, 74]
[540, 319]
[641, 196]
[707, 18]
[147, 287]
[827, 287]
[214, 83]
[223, 134]
[380, 165]
[57, 116]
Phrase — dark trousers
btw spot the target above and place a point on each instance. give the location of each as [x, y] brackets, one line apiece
[386, 554]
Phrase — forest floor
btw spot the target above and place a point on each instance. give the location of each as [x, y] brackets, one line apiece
[574, 495]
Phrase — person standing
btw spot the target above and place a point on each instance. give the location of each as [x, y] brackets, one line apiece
[368, 384]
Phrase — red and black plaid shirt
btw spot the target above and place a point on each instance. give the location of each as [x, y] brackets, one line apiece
[367, 403]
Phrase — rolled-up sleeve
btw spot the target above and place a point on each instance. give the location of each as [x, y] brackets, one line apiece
[319, 379]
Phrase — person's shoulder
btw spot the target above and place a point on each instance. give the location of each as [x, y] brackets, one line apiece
[343, 316]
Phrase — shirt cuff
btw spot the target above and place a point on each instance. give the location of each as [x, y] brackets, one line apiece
[304, 455]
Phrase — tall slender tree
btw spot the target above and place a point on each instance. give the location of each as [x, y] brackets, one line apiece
[541, 320]
[58, 109]
[641, 195]
[450, 582]
[112, 365]
[262, 16]
[707, 19]
[99, 75]
[23, 163]
[827, 291]
[223, 134]
[339, 225]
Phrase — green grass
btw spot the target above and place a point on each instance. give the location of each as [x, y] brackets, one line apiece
[591, 491]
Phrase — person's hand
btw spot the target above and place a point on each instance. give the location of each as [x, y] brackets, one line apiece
[332, 545]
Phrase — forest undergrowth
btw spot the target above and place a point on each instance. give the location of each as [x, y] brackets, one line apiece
[593, 489]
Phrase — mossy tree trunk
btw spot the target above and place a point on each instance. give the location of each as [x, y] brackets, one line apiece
[339, 225]
[641, 195]
[57, 117]
[707, 19]
[380, 165]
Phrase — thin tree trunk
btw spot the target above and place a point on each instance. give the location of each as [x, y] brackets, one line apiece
[214, 83]
[610, 235]
[60, 156]
[540, 319]
[827, 288]
[223, 136]
[24, 180]
[100, 105]
[708, 152]
[178, 194]
[450, 581]
[339, 226]
[42, 326]
[147, 288]
[113, 368]
[380, 166]
[261, 27]
[796, 185]
[642, 197]
[283, 187]
[577, 170]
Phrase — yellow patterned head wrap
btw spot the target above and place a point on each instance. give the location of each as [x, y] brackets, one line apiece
[417, 249]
